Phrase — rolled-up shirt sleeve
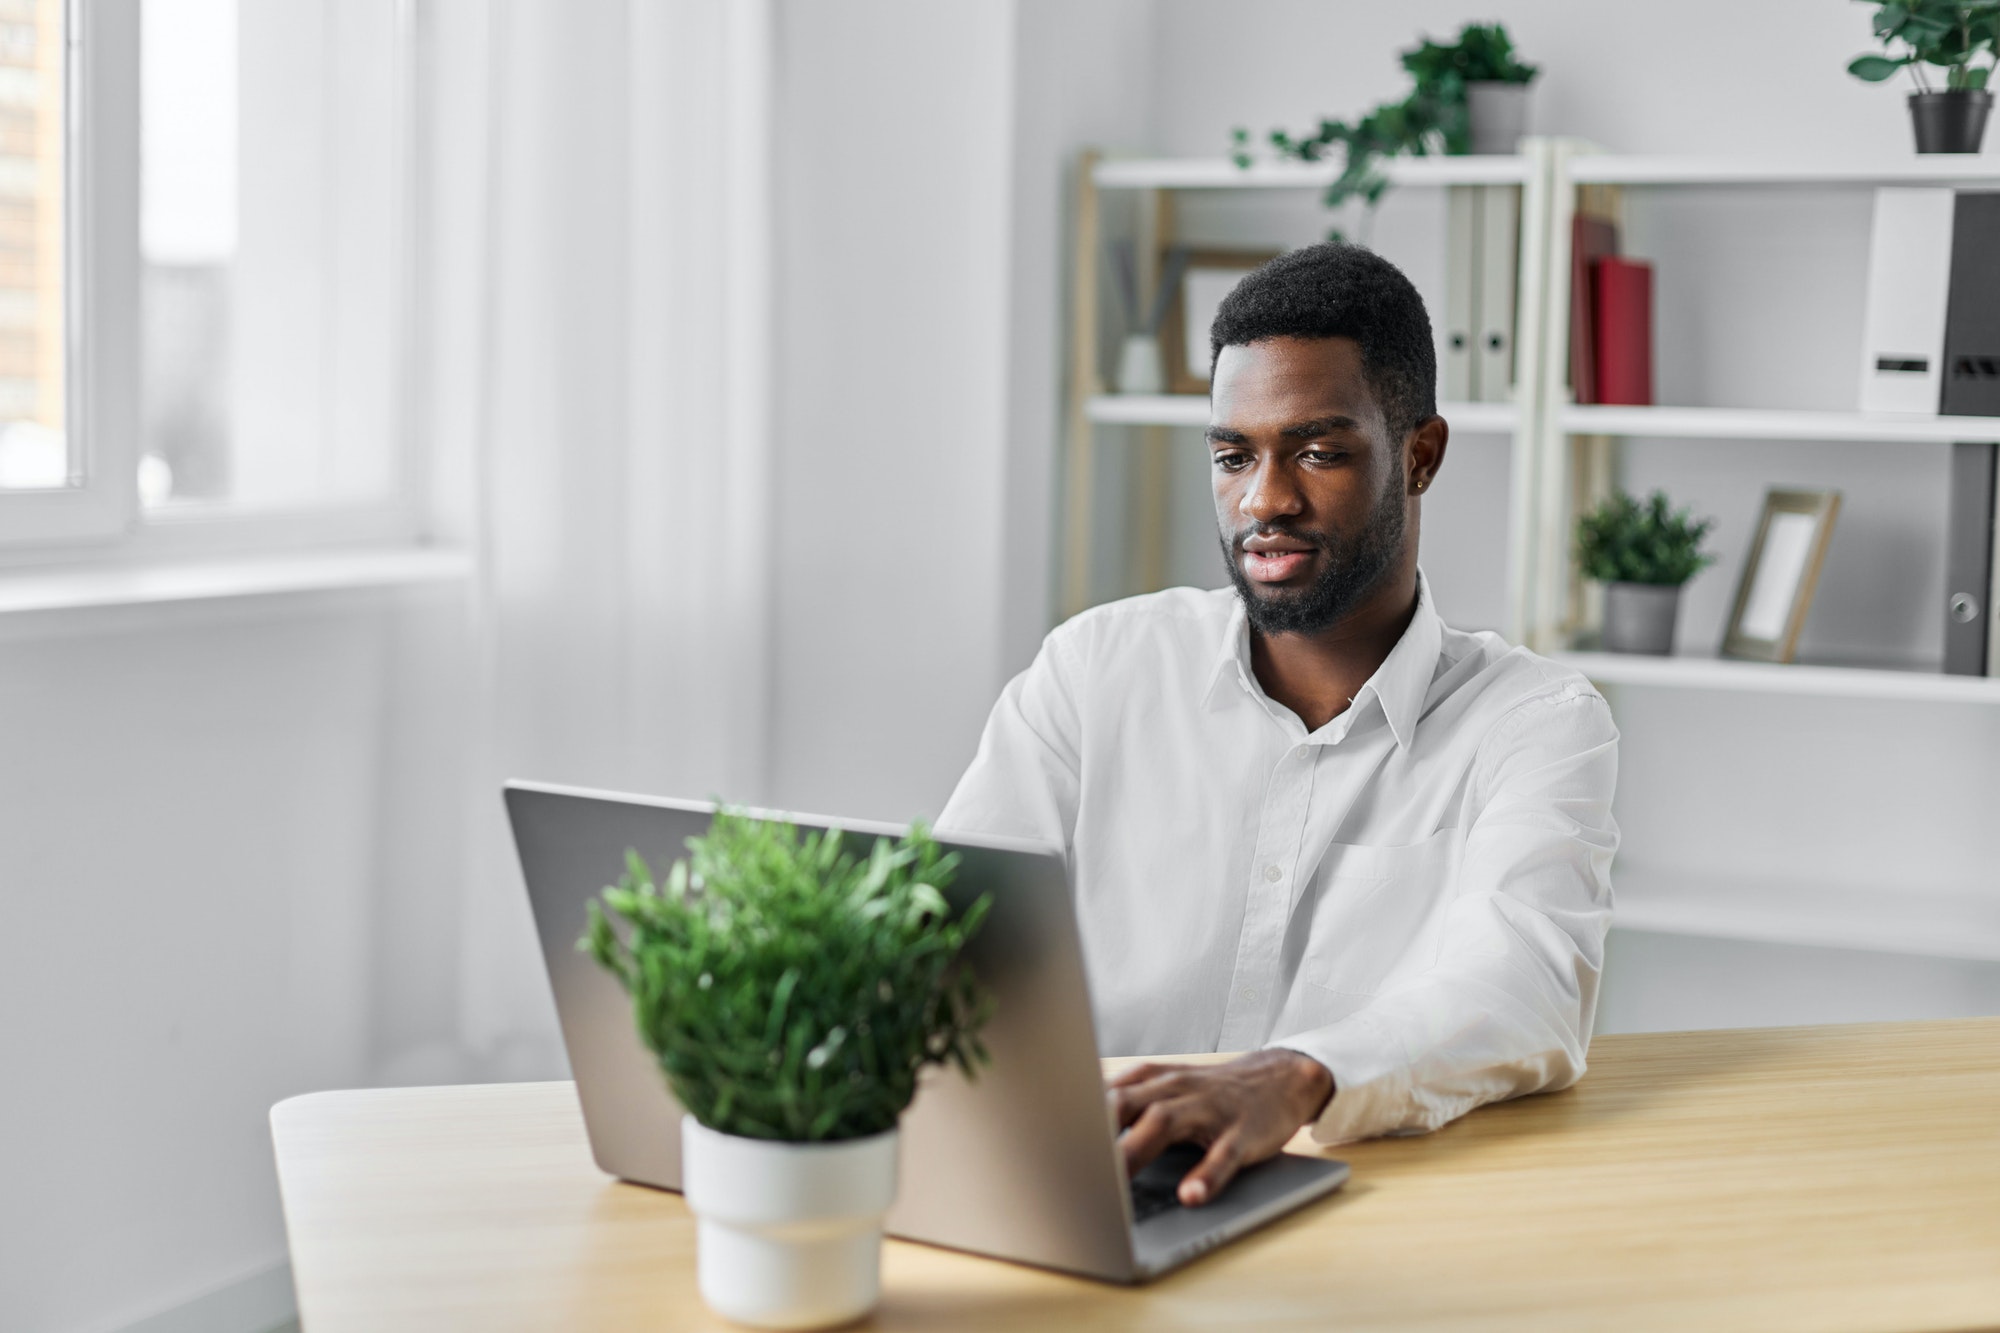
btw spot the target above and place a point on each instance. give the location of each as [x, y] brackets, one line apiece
[1507, 1009]
[1025, 780]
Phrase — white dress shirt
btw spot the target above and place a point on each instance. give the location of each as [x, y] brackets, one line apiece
[1415, 895]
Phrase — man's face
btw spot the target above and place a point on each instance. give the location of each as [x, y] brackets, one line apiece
[1309, 485]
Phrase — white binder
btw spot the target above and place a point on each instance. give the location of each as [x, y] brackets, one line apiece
[1909, 280]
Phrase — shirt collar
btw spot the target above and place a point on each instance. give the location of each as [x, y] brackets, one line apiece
[1401, 684]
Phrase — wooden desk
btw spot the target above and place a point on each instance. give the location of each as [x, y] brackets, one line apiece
[1800, 1178]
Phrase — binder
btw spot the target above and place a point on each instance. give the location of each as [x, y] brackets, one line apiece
[1499, 248]
[1457, 364]
[1591, 238]
[1623, 311]
[1972, 310]
[1968, 559]
[1909, 273]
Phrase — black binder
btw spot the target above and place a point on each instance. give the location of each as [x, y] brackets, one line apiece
[1971, 388]
[1972, 310]
[1968, 558]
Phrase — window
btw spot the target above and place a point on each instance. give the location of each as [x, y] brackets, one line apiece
[203, 230]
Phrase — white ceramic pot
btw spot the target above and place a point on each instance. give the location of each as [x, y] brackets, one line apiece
[1139, 368]
[789, 1235]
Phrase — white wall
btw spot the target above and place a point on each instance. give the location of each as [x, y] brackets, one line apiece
[189, 834]
[893, 230]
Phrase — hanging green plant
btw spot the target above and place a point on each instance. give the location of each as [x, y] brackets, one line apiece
[1433, 119]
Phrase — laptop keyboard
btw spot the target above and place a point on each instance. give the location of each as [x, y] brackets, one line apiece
[1150, 1199]
[1156, 1186]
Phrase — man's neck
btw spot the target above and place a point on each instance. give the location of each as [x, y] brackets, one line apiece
[1318, 675]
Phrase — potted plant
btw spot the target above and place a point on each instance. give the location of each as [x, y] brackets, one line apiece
[1952, 37]
[1470, 96]
[1643, 555]
[792, 991]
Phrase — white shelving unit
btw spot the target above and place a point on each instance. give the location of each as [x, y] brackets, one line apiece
[1572, 453]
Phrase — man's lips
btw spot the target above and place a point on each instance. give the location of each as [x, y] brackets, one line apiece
[1274, 561]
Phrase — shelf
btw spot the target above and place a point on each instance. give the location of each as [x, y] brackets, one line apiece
[1938, 169]
[1734, 423]
[1879, 920]
[1191, 409]
[1219, 173]
[1829, 682]
[1148, 409]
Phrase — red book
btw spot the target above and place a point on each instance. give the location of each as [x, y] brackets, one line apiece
[1591, 238]
[1622, 297]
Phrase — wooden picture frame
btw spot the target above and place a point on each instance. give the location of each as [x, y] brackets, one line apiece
[1203, 281]
[1781, 575]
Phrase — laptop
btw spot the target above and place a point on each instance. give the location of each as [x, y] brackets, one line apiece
[1021, 1163]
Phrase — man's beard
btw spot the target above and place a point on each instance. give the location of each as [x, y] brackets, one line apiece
[1350, 570]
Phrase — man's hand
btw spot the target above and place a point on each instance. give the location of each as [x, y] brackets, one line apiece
[1243, 1112]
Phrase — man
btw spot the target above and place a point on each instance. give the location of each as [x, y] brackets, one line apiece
[1303, 817]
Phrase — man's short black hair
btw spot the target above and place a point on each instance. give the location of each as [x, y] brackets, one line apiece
[1336, 290]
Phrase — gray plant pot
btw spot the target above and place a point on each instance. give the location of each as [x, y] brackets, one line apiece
[1639, 617]
[1498, 113]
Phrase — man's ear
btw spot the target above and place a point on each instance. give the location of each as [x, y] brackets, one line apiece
[1423, 454]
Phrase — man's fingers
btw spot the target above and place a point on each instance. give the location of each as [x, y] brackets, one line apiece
[1212, 1174]
[1158, 1128]
[1129, 1099]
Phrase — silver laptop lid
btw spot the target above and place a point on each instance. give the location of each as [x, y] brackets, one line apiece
[1020, 1163]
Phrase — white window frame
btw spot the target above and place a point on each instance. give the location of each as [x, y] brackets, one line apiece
[100, 519]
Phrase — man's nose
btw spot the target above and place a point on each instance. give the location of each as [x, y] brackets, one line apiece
[1271, 494]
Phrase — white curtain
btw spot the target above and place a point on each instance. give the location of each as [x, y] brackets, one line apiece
[596, 322]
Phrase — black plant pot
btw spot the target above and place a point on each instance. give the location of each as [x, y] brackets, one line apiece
[1952, 122]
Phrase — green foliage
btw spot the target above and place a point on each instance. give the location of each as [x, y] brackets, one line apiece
[1948, 35]
[791, 989]
[1431, 119]
[1622, 541]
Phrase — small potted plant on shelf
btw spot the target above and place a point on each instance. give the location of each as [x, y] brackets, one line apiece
[792, 991]
[1643, 555]
[1951, 37]
[1470, 96]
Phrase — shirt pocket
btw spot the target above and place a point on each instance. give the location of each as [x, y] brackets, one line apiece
[1378, 913]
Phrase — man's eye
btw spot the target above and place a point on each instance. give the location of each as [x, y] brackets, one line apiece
[1322, 457]
[1232, 462]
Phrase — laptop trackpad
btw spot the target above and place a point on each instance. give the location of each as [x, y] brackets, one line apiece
[1168, 1234]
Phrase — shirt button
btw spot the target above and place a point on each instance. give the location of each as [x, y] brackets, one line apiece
[1273, 874]
[1249, 992]
[1305, 752]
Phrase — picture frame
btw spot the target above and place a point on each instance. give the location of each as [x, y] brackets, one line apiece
[1204, 278]
[1779, 579]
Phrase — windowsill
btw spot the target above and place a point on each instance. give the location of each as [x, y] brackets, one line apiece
[28, 591]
